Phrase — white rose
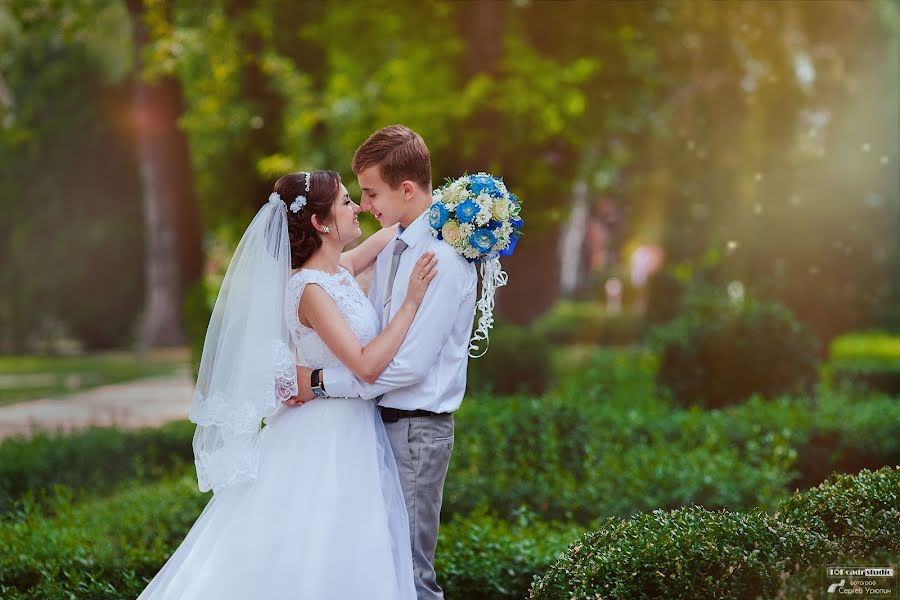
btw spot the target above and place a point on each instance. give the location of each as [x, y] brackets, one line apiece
[501, 209]
[451, 233]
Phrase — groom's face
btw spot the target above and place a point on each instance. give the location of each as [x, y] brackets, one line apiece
[386, 204]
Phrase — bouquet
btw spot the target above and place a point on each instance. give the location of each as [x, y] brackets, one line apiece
[481, 220]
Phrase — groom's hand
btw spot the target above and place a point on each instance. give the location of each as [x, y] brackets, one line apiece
[303, 380]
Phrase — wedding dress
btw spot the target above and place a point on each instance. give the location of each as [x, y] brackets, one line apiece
[324, 517]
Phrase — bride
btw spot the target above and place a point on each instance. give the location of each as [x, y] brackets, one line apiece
[309, 506]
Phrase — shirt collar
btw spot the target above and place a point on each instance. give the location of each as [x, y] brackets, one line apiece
[417, 231]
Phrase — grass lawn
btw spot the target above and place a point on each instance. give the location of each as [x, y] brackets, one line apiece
[31, 377]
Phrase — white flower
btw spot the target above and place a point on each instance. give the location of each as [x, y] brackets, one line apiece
[274, 197]
[485, 202]
[466, 229]
[451, 233]
[501, 209]
[454, 194]
[298, 203]
[470, 252]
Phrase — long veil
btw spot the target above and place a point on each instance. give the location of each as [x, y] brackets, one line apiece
[248, 364]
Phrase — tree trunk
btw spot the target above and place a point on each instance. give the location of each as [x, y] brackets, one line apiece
[173, 258]
[572, 240]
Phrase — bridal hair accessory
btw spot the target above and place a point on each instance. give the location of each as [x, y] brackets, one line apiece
[274, 197]
[300, 201]
[480, 219]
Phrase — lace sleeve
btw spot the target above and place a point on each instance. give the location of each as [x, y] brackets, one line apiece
[284, 374]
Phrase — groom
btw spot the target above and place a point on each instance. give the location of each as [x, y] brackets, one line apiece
[426, 381]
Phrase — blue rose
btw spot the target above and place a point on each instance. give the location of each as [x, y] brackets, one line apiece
[482, 240]
[467, 211]
[437, 215]
[482, 183]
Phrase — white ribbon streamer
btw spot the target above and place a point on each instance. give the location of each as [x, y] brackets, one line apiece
[492, 277]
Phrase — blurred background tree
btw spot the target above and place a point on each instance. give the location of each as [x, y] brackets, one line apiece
[747, 146]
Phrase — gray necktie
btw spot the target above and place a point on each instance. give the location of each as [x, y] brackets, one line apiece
[399, 247]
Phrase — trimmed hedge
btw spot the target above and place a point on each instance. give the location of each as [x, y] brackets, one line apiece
[93, 459]
[721, 354]
[601, 445]
[693, 553]
[687, 553]
[870, 360]
[860, 513]
[110, 548]
[604, 445]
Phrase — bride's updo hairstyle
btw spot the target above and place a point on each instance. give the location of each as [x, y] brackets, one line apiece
[323, 187]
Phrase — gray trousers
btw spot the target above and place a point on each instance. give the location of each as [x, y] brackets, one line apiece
[422, 448]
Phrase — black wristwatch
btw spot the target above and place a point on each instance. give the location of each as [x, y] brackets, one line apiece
[315, 382]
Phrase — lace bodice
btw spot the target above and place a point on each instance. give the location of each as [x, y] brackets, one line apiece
[351, 302]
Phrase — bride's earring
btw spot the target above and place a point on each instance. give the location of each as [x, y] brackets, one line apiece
[326, 229]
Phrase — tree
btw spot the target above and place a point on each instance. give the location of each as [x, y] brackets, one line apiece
[173, 259]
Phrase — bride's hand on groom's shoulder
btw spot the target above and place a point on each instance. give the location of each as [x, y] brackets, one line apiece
[306, 394]
[421, 275]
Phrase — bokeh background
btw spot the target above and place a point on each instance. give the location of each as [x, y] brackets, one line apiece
[710, 268]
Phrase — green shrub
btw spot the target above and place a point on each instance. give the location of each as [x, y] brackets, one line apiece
[517, 360]
[870, 360]
[92, 459]
[602, 444]
[860, 513]
[480, 557]
[110, 548]
[724, 354]
[591, 455]
[692, 553]
[687, 553]
[584, 322]
[106, 548]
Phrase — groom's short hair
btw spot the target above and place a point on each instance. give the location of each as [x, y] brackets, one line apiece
[399, 152]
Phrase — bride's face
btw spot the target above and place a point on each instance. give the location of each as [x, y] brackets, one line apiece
[345, 212]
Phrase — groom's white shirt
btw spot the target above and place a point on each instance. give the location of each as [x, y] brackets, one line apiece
[429, 371]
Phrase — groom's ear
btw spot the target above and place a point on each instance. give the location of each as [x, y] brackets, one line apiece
[408, 188]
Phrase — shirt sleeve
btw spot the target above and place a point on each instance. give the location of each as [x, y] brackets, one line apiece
[430, 328]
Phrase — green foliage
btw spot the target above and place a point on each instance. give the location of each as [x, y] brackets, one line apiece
[111, 547]
[481, 557]
[70, 224]
[587, 457]
[92, 460]
[691, 553]
[868, 359]
[860, 513]
[723, 353]
[196, 313]
[684, 554]
[604, 444]
[517, 360]
[569, 322]
[105, 548]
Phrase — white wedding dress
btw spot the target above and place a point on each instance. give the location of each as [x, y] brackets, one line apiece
[325, 517]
